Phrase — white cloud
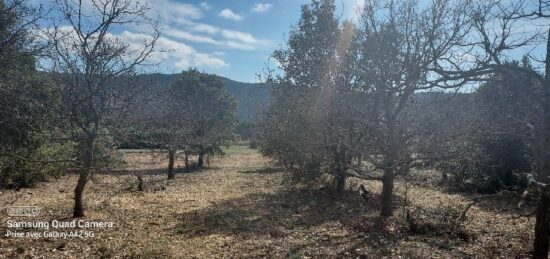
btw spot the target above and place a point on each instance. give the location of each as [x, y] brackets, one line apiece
[228, 14]
[201, 27]
[229, 39]
[202, 59]
[239, 45]
[198, 27]
[261, 7]
[180, 22]
[240, 36]
[242, 40]
[167, 10]
[189, 36]
[205, 6]
[171, 52]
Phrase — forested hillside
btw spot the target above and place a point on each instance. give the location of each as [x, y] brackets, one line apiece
[252, 97]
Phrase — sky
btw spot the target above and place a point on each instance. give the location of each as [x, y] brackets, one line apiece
[233, 39]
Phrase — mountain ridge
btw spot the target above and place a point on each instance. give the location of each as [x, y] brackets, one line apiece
[252, 97]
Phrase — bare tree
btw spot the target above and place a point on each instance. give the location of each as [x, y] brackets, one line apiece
[93, 69]
[499, 27]
[399, 46]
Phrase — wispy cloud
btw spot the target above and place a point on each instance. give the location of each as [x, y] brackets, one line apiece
[183, 56]
[227, 39]
[261, 7]
[243, 40]
[186, 26]
[206, 28]
[240, 45]
[228, 14]
[173, 53]
[205, 6]
[166, 10]
[169, 52]
[240, 36]
[189, 36]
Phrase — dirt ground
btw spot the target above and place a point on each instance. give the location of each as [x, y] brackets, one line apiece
[243, 206]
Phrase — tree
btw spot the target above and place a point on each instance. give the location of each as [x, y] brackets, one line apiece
[294, 129]
[497, 29]
[399, 44]
[195, 115]
[496, 129]
[27, 103]
[93, 70]
[348, 96]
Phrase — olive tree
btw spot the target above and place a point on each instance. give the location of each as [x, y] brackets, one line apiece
[94, 69]
[195, 115]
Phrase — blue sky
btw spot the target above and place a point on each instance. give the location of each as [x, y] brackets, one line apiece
[238, 36]
[229, 38]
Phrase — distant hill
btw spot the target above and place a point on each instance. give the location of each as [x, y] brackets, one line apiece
[252, 97]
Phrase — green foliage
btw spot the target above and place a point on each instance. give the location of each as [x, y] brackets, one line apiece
[499, 150]
[29, 150]
[196, 114]
[294, 126]
[105, 154]
[40, 158]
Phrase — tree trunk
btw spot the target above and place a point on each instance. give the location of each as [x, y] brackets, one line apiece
[83, 177]
[140, 183]
[341, 183]
[542, 136]
[386, 209]
[390, 161]
[187, 166]
[200, 163]
[340, 168]
[542, 227]
[171, 160]
[444, 178]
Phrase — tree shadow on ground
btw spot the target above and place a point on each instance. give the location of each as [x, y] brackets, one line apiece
[264, 170]
[152, 172]
[505, 203]
[274, 214]
[292, 222]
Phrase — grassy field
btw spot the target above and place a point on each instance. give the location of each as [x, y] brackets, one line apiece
[243, 206]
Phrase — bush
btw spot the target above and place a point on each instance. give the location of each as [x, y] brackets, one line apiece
[490, 165]
[23, 167]
[498, 144]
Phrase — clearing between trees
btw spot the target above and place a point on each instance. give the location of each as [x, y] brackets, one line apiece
[244, 206]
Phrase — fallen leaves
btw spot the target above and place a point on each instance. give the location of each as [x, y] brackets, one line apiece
[244, 207]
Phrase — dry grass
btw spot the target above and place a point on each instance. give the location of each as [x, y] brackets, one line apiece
[243, 207]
